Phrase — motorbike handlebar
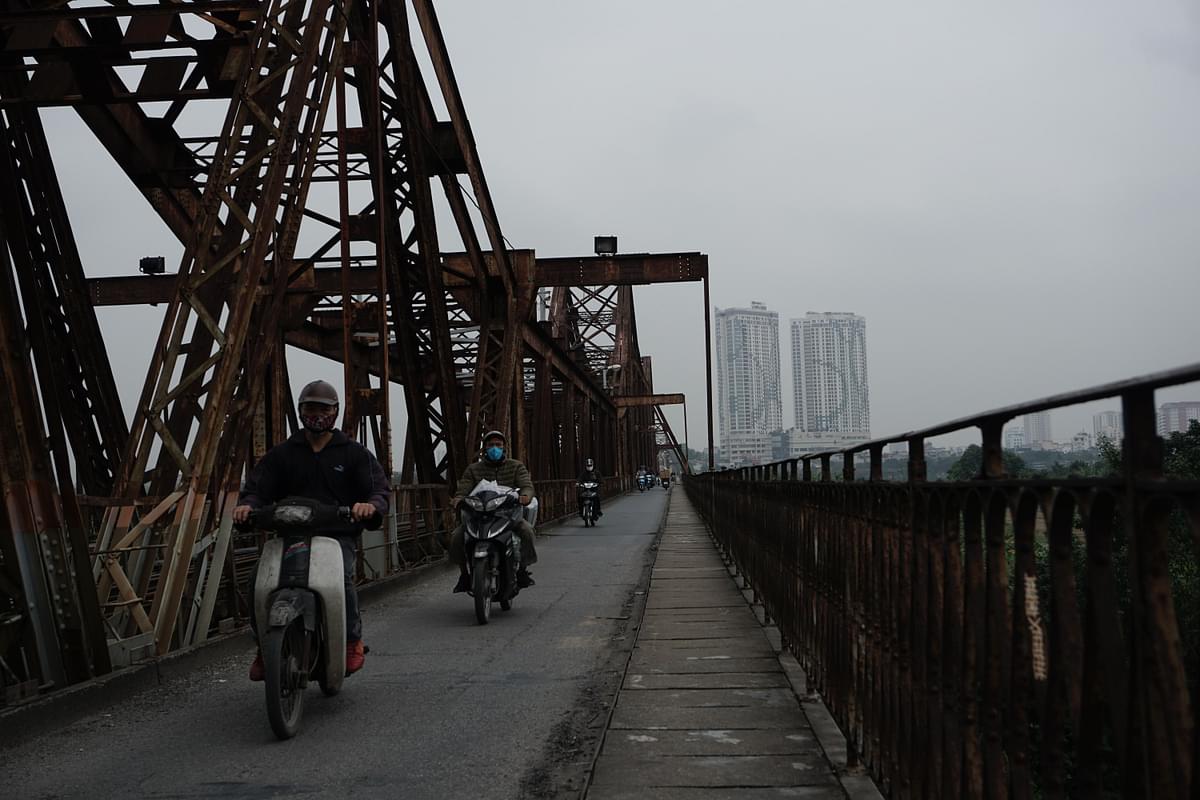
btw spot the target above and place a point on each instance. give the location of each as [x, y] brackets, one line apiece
[264, 517]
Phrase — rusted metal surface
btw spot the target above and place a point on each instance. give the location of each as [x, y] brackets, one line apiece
[314, 93]
[997, 637]
[622, 270]
[637, 401]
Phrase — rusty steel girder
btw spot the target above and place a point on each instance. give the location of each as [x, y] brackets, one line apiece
[139, 558]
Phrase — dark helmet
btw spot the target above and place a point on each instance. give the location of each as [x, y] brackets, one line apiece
[494, 435]
[319, 392]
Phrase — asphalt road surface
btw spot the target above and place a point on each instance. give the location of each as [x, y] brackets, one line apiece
[444, 708]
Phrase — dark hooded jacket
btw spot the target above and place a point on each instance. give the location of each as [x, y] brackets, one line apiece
[342, 474]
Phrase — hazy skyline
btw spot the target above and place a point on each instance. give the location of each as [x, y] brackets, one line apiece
[1008, 194]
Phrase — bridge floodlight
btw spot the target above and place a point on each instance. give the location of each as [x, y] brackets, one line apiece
[606, 245]
[153, 265]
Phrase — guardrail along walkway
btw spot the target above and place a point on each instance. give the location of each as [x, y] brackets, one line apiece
[706, 710]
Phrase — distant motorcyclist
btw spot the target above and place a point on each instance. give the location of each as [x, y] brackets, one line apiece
[493, 465]
[590, 474]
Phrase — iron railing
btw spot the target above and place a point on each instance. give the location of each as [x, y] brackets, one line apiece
[997, 637]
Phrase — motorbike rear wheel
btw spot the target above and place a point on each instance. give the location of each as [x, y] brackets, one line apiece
[482, 589]
[283, 654]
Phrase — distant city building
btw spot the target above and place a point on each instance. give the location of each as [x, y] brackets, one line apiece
[1081, 441]
[1175, 417]
[829, 371]
[1108, 425]
[1037, 431]
[795, 442]
[1014, 439]
[750, 405]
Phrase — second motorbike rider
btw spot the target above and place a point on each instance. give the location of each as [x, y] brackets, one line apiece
[590, 474]
[493, 465]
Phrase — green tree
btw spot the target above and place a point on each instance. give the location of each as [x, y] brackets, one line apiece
[1181, 461]
[970, 464]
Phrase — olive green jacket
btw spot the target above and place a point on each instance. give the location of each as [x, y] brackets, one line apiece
[508, 472]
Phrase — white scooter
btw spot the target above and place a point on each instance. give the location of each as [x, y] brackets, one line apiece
[300, 605]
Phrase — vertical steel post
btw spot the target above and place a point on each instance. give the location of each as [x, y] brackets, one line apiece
[708, 373]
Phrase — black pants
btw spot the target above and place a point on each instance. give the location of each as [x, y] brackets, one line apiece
[580, 497]
[353, 619]
[458, 554]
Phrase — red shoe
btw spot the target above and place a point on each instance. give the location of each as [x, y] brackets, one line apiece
[354, 657]
[258, 670]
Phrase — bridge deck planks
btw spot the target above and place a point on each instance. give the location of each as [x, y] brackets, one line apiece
[706, 710]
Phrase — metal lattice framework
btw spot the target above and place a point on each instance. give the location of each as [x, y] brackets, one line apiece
[307, 222]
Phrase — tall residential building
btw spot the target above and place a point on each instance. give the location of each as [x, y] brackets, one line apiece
[829, 370]
[750, 406]
[1175, 417]
[1037, 431]
[1014, 439]
[1107, 425]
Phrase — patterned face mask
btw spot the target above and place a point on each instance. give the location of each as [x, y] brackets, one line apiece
[318, 423]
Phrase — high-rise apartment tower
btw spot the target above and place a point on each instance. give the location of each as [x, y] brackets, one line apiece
[829, 373]
[749, 405]
[1037, 431]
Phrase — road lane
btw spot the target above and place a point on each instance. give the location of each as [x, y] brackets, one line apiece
[444, 707]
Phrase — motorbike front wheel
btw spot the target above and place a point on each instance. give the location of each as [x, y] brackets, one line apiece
[283, 655]
[482, 589]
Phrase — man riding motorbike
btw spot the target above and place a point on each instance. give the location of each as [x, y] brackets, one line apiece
[493, 465]
[590, 474]
[325, 465]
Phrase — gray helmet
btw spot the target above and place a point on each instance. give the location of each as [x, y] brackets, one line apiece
[588, 464]
[318, 392]
[494, 435]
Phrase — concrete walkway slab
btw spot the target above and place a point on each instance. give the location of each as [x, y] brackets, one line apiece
[706, 710]
[718, 793]
[714, 680]
[717, 771]
[642, 744]
[708, 698]
[742, 646]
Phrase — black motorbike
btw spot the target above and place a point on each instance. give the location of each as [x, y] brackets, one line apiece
[589, 502]
[666, 483]
[300, 605]
[493, 548]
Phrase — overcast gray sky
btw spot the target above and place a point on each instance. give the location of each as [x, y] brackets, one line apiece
[1008, 192]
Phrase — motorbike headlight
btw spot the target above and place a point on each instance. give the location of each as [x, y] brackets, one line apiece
[293, 515]
[495, 503]
[473, 503]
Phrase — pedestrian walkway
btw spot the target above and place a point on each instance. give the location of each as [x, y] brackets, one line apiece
[705, 711]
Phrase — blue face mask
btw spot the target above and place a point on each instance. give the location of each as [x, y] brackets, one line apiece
[495, 453]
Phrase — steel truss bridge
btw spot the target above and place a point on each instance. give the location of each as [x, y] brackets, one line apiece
[998, 637]
[308, 222]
